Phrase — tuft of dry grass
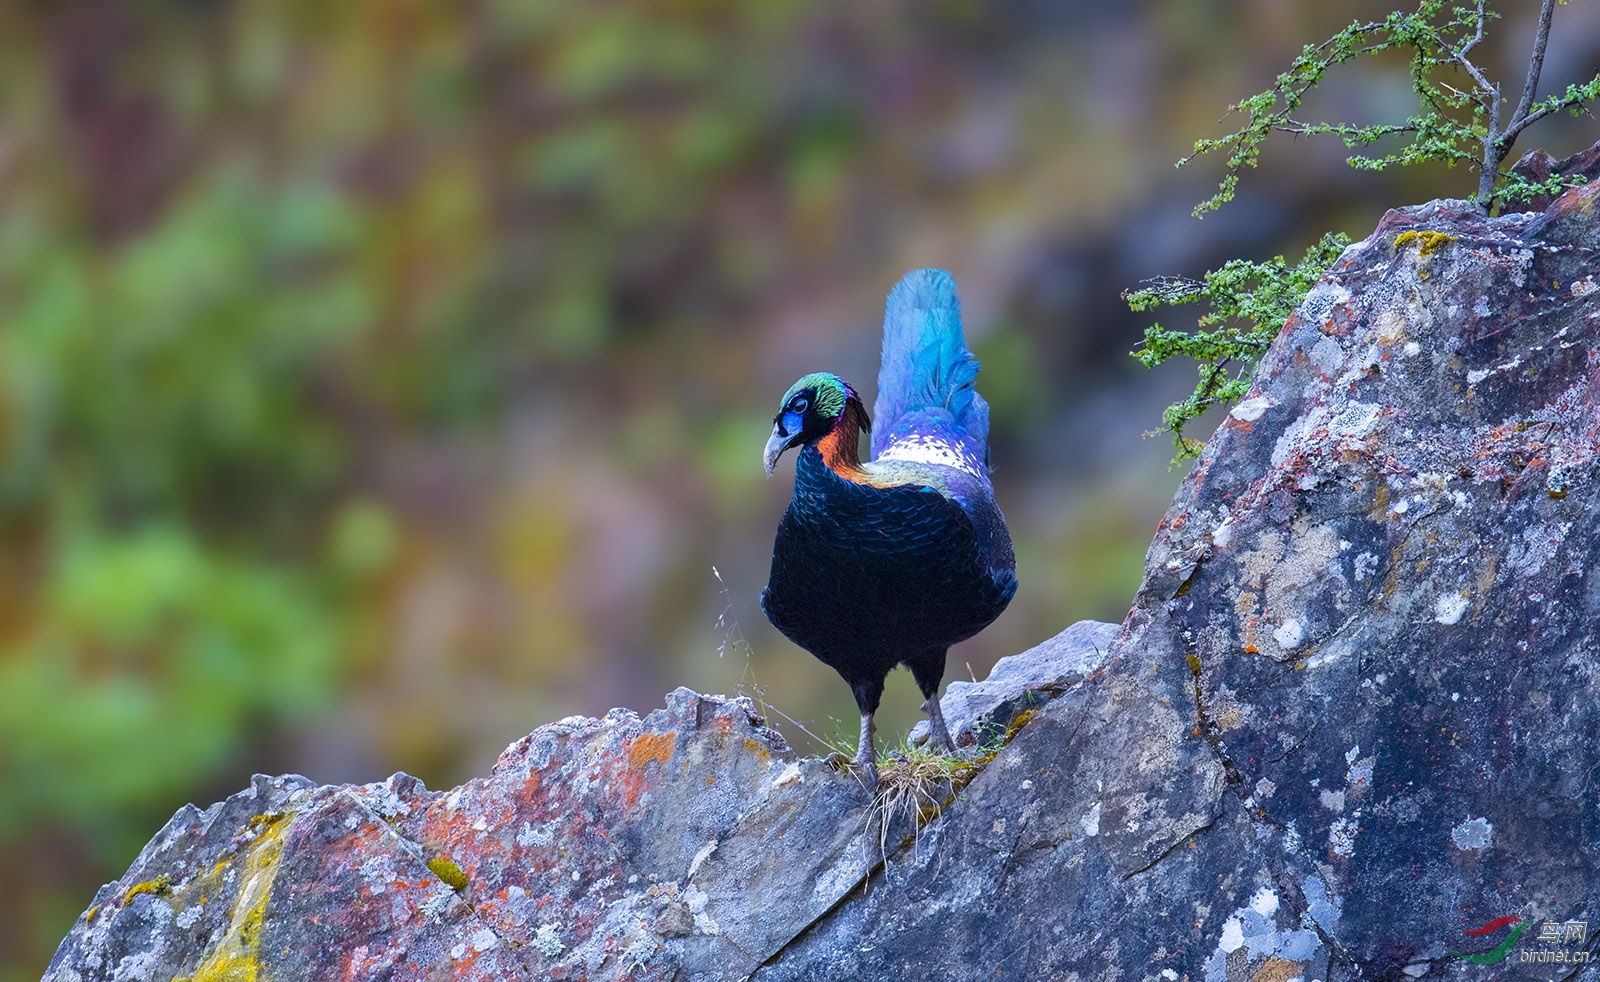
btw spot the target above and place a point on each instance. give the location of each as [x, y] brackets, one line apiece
[917, 784]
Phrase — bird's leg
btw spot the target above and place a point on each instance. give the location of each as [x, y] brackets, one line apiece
[928, 669]
[936, 725]
[866, 753]
[868, 691]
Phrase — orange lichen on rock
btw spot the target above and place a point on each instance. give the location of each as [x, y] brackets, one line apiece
[1276, 969]
[652, 746]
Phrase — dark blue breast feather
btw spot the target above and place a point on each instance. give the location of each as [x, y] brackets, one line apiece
[863, 573]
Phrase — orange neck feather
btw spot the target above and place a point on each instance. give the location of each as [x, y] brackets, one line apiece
[840, 446]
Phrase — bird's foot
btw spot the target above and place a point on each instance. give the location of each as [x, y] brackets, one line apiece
[868, 773]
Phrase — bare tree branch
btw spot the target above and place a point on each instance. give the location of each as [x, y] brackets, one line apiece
[1535, 66]
[1460, 56]
[1496, 144]
[1534, 117]
[1208, 388]
[1298, 128]
[1487, 89]
[1466, 48]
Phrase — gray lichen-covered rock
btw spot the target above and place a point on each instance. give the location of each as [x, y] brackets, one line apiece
[1351, 718]
[979, 713]
[614, 848]
[1347, 730]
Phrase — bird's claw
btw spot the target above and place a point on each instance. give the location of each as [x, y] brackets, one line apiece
[867, 771]
[937, 731]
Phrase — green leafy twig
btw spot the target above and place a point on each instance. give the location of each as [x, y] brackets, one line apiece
[1458, 122]
[1247, 305]
[1460, 118]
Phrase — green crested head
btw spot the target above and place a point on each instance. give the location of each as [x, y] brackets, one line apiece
[824, 390]
[810, 409]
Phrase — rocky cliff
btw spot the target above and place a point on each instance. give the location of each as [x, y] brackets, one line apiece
[1346, 731]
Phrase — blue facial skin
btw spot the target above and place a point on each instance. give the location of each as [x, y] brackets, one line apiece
[787, 427]
[794, 413]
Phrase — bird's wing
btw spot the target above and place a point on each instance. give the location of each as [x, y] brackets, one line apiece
[928, 408]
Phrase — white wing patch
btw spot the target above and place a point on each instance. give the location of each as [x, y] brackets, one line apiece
[922, 449]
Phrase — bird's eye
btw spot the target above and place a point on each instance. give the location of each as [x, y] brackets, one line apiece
[798, 405]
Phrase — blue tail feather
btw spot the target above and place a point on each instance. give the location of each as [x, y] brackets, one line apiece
[927, 371]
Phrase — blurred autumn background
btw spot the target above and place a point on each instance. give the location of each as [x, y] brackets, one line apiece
[379, 380]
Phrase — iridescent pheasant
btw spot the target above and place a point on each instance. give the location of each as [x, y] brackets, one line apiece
[892, 561]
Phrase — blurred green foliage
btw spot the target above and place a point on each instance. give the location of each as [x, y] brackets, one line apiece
[151, 659]
[167, 473]
[173, 374]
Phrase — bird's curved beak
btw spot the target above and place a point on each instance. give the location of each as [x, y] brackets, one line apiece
[779, 442]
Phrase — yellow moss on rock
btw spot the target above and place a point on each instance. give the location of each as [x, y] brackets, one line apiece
[160, 887]
[234, 958]
[449, 872]
[1018, 722]
[1427, 242]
